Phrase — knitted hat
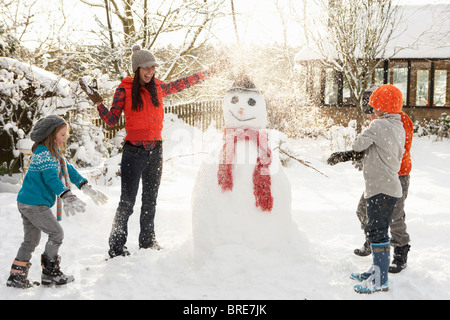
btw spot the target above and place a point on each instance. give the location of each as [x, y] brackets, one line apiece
[142, 58]
[244, 83]
[45, 126]
[366, 108]
[387, 98]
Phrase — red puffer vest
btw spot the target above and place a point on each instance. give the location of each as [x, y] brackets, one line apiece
[147, 124]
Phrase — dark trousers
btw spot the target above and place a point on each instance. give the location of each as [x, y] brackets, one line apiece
[399, 234]
[137, 163]
[379, 214]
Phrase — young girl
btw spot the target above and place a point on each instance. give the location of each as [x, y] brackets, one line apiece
[140, 98]
[48, 177]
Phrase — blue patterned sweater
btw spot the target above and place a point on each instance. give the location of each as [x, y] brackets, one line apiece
[42, 183]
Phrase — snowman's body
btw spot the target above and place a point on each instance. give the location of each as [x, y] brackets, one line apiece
[232, 216]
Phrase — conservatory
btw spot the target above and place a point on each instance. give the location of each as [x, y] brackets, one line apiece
[421, 70]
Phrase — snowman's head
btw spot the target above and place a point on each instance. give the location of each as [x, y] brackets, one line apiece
[245, 107]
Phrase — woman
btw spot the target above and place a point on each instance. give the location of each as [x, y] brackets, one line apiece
[140, 98]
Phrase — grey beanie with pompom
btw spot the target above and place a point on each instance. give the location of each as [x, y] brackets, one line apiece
[142, 58]
[45, 126]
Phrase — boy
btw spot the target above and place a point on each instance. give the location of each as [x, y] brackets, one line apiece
[383, 146]
[400, 238]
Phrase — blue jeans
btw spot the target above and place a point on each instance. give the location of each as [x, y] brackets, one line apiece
[379, 214]
[137, 163]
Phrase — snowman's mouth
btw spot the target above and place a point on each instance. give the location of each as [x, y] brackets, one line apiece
[239, 119]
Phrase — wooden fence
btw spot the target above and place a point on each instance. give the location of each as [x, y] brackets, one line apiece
[198, 114]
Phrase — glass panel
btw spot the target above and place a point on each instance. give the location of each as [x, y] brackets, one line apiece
[302, 80]
[420, 83]
[331, 87]
[379, 76]
[422, 88]
[398, 76]
[441, 84]
[346, 95]
[316, 84]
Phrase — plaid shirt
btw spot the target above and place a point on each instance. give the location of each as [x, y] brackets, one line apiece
[111, 117]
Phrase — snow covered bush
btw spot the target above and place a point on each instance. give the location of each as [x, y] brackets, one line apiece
[341, 138]
[86, 143]
[295, 118]
[439, 128]
[28, 93]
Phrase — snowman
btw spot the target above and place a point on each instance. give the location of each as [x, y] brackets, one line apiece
[242, 195]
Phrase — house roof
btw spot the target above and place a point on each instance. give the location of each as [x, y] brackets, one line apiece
[423, 32]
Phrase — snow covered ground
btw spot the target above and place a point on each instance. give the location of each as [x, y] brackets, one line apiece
[319, 268]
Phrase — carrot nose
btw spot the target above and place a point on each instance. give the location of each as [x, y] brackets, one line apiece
[241, 111]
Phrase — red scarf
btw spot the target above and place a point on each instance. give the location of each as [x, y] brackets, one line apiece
[261, 175]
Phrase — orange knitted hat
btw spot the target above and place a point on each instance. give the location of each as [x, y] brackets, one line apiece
[387, 98]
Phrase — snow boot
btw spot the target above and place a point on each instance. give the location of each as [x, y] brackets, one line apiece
[364, 251]
[376, 279]
[18, 277]
[51, 272]
[153, 244]
[400, 259]
[123, 252]
[364, 275]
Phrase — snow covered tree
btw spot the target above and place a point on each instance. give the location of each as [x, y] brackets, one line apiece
[28, 93]
[149, 23]
[25, 93]
[352, 36]
[7, 42]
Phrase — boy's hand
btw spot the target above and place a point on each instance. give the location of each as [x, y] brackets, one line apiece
[344, 156]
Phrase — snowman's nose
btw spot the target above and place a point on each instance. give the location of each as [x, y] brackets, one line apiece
[241, 111]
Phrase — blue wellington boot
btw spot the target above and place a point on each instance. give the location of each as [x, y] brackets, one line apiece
[364, 275]
[376, 279]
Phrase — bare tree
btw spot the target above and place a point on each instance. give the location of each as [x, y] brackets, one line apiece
[16, 20]
[352, 36]
[151, 26]
[233, 13]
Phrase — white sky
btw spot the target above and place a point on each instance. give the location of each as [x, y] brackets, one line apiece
[258, 21]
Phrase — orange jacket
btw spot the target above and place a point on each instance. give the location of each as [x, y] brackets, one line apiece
[147, 124]
[406, 166]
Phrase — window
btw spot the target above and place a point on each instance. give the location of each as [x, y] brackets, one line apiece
[420, 83]
[441, 86]
[346, 95]
[378, 76]
[422, 90]
[316, 94]
[303, 79]
[331, 87]
[398, 76]
[427, 82]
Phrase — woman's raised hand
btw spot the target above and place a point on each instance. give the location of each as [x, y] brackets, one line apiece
[91, 91]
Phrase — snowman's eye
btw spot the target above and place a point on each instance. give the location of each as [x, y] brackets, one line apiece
[235, 100]
[251, 102]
